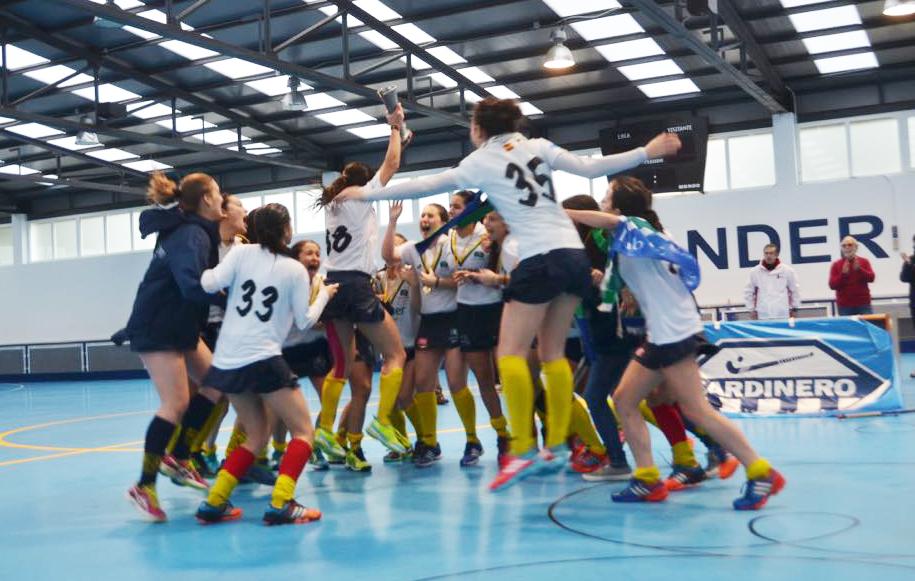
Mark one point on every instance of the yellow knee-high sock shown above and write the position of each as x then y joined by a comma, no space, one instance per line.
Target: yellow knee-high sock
428,412
216,414
415,419
759,469
684,455
222,488
559,387
355,440
389,387
518,389
650,475
500,425
647,413
467,410
237,438
399,421
283,491
581,425
330,399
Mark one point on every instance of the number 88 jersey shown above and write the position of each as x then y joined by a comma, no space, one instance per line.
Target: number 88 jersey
516,175
351,234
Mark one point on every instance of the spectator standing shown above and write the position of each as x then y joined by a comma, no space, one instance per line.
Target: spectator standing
908,275
849,277
772,292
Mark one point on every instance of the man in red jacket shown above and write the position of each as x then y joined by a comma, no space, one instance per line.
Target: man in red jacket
849,277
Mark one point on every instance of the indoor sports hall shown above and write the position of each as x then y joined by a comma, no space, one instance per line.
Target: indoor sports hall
202,285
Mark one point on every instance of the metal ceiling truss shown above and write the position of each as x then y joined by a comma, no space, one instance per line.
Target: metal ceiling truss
58,151
75,183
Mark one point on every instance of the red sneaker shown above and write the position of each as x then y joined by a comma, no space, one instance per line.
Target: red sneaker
515,469
588,462
182,473
147,502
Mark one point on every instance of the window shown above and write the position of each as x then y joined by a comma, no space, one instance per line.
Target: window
41,241
875,147
286,199
599,188
140,243
92,236
751,161
309,219
65,239
6,245
824,153
406,217
912,142
716,166
117,233
251,202
566,185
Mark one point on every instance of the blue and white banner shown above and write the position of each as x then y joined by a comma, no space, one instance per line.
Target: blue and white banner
813,366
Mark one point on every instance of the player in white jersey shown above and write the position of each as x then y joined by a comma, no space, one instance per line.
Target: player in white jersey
352,254
553,275
478,316
437,338
269,291
674,329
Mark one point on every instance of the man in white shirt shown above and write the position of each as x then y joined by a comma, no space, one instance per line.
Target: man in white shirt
772,292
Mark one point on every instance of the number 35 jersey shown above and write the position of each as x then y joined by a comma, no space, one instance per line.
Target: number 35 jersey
267,294
352,234
516,175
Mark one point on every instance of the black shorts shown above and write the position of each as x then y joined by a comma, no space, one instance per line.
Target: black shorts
478,326
355,300
210,334
309,359
541,278
438,331
411,353
660,356
265,376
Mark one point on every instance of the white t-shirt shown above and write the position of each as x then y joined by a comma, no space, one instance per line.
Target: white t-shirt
352,234
509,257
267,293
468,254
437,260
311,334
217,313
668,306
397,295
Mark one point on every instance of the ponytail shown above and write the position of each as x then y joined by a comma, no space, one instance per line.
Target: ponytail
189,192
354,174
161,190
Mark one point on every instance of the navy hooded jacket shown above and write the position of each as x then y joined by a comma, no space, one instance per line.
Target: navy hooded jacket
171,307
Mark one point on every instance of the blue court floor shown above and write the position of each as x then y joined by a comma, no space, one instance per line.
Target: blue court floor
69,451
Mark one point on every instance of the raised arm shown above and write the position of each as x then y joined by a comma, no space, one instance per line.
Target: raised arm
409,190
663,145
389,252
594,219
391,162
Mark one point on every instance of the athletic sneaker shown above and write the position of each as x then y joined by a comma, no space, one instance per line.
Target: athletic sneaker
182,473
206,464
683,477
756,493
207,513
318,462
404,441
387,435
326,441
516,469
259,473
436,452
147,502
587,462
638,491
424,455
440,398
292,513
553,460
355,461
608,472
721,464
472,453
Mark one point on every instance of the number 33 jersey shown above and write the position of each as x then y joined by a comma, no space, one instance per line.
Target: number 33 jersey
351,235
267,294
516,175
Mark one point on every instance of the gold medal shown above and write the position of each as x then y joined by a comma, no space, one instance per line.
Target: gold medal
431,270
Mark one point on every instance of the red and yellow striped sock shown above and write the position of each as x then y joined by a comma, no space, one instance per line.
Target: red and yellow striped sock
297,454
235,467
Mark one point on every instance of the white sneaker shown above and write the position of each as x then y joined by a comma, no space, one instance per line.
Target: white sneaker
608,472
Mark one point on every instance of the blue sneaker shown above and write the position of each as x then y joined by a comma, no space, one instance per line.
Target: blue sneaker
638,491
757,492
553,460
684,477
472,453
292,513
208,514
515,469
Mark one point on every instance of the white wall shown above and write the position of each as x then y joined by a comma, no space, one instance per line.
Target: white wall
889,200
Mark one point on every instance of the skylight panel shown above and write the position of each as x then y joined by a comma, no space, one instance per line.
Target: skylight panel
444,80
112,154
260,149
476,74
378,39
372,131
347,117
668,88
835,42
607,27
54,73
17,170
378,10
34,130
574,7
322,101
446,55
413,33
219,137
630,49
6,120
18,58
236,68
529,109
502,92
188,51
796,3
146,165
650,70
70,143
122,4
823,19
158,110
852,62
107,93
275,86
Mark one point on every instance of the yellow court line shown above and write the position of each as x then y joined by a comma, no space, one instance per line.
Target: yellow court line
111,448
4,443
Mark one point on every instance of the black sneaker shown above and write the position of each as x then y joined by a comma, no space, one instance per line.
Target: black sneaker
292,513
472,453
424,456
437,452
207,513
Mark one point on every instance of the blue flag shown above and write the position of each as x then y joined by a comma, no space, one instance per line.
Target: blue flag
473,212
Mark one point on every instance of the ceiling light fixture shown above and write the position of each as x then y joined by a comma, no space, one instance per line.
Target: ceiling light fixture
559,56
84,136
898,7
294,100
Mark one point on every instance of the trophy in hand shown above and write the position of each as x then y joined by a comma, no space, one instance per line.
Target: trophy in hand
388,96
